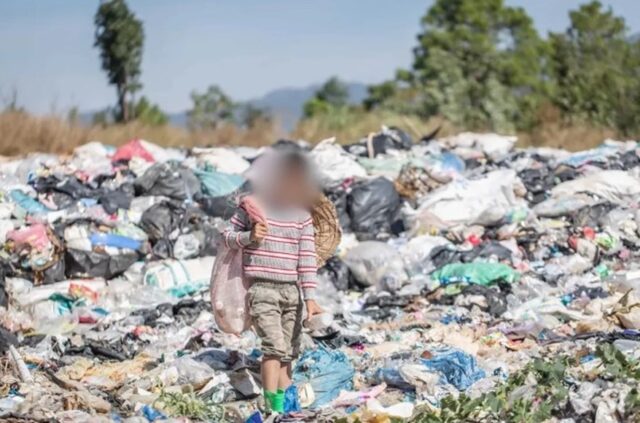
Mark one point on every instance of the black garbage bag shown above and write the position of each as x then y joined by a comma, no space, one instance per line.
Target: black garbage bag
357,149
4,270
337,272
159,220
55,272
93,264
117,199
208,246
401,139
538,182
170,179
338,196
70,186
6,339
630,160
445,254
372,206
61,200
223,206
592,215
486,250
495,298
391,139
442,255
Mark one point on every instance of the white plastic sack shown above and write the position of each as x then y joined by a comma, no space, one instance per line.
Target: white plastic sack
93,158
562,206
333,163
493,145
93,149
180,277
24,293
35,300
229,292
416,252
374,263
482,201
222,159
612,185
6,225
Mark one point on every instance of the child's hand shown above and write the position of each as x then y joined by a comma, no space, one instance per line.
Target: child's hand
258,232
313,308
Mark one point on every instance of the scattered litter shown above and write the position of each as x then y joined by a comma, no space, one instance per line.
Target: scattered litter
462,278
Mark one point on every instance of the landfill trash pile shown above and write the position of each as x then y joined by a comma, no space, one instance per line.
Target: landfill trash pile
474,281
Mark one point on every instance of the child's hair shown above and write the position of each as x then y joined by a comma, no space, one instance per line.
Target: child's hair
275,164
294,159
298,160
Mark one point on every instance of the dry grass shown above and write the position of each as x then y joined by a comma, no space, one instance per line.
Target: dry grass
553,132
557,132
21,133
353,126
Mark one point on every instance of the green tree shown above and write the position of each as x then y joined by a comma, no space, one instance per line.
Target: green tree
250,115
479,63
597,68
120,37
149,114
334,92
380,94
400,95
332,95
210,109
315,107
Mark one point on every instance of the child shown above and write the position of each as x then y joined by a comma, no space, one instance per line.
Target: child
279,259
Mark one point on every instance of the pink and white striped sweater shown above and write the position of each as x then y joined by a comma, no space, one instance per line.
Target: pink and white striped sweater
286,254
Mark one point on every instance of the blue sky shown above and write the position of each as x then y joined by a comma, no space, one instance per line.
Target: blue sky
248,47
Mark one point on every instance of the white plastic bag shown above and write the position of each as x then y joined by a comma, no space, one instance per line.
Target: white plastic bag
375,263
483,201
335,164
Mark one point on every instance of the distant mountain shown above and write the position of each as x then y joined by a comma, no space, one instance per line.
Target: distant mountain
284,104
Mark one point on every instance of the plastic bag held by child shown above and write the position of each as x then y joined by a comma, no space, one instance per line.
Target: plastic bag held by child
228,285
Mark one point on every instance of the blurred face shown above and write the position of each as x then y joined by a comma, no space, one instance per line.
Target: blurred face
294,188
284,182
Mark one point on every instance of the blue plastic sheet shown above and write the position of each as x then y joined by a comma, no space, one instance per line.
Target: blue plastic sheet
455,367
451,163
393,378
291,401
597,155
328,372
152,414
27,203
117,241
216,183
254,418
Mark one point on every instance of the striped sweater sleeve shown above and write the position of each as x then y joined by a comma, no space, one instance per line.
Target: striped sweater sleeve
307,261
238,235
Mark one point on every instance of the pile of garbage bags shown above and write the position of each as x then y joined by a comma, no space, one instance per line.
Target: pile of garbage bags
475,281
